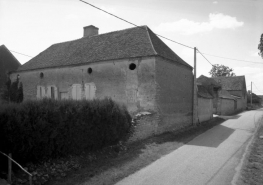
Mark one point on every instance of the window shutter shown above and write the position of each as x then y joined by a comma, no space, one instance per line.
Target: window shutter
87,91
38,92
74,92
48,94
43,92
56,92
92,91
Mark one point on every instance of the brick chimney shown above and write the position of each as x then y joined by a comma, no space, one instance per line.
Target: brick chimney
90,31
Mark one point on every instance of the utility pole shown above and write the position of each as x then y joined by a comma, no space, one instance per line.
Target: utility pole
194,91
251,96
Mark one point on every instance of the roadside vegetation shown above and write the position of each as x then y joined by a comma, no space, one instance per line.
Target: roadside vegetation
44,136
252,170
51,141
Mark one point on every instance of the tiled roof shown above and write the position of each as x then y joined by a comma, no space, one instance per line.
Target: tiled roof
225,94
128,43
202,92
207,81
234,83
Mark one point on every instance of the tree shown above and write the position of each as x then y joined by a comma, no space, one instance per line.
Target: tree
221,70
260,46
13,91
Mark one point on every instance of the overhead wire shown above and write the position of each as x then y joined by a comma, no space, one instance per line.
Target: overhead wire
20,53
168,38
257,87
134,24
231,58
205,58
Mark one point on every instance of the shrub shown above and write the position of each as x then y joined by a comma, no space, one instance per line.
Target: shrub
36,130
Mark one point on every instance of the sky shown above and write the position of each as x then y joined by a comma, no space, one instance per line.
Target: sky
225,28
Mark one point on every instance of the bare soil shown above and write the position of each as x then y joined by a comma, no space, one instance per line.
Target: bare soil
252,170
114,164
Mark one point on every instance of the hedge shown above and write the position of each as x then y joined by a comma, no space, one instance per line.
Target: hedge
37,130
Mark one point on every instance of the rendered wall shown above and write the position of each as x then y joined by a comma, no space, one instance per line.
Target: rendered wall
227,106
134,88
205,109
243,95
173,95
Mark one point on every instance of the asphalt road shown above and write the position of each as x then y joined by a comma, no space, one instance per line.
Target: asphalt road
213,157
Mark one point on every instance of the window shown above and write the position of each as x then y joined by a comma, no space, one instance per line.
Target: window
41,92
89,70
90,90
76,92
132,66
47,92
52,93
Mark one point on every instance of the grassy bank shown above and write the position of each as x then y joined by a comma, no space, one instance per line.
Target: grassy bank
252,170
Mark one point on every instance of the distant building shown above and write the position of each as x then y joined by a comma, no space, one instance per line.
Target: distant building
212,87
229,93
7,63
132,66
236,86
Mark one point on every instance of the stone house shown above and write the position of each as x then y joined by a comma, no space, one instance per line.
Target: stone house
132,66
7,63
227,103
236,86
212,87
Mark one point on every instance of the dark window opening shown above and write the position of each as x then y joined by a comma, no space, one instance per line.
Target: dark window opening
89,70
132,66
41,75
52,92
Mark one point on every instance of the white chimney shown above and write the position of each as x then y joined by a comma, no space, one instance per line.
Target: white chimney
90,31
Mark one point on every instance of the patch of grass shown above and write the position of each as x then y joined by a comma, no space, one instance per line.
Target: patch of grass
252,170
114,163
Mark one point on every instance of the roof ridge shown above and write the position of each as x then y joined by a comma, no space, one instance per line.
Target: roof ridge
151,40
99,35
228,76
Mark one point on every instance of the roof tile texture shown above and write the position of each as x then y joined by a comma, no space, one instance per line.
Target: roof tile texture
128,43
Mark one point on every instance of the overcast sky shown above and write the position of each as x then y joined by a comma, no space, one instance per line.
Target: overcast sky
227,28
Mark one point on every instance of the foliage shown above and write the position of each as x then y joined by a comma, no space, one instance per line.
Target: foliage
13,92
255,99
36,130
221,70
260,46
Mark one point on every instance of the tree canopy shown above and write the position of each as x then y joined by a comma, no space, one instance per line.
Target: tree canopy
260,46
221,70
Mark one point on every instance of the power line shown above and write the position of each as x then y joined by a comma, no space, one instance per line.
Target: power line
257,87
134,24
20,53
232,59
205,58
170,39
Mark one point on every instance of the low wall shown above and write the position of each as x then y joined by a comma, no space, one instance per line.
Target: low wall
205,109
227,106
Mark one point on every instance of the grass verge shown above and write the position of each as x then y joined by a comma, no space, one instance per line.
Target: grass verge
252,170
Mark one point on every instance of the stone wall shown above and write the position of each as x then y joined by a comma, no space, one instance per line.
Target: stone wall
151,84
174,84
227,106
205,109
133,87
